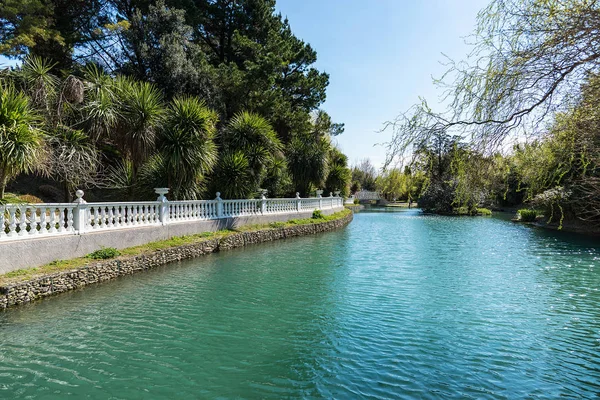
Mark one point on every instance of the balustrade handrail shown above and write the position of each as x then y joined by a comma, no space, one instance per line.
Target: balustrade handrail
117,203
20,221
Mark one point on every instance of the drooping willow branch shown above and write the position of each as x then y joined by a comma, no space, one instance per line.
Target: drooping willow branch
527,62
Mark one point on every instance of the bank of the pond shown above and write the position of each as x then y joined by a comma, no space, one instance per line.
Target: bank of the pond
24,286
578,227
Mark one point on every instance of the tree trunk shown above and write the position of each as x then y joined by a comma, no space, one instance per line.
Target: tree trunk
3,183
67,192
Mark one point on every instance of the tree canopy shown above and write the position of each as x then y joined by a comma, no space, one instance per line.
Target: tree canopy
138,60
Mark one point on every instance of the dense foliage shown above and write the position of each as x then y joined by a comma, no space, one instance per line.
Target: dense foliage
531,77
196,96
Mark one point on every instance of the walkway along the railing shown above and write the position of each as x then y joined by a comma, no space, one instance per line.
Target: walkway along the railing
22,221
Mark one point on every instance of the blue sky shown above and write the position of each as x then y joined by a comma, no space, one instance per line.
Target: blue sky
381,56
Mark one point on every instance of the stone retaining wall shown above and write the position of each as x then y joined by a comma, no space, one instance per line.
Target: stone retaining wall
95,272
33,252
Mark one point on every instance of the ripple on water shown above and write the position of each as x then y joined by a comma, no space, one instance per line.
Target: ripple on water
397,305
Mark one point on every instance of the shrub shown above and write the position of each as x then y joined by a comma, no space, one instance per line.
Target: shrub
318,214
527,215
484,211
104,253
30,199
356,201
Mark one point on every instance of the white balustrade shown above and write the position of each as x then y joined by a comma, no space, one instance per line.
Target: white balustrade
240,208
278,206
119,215
309,204
21,221
192,210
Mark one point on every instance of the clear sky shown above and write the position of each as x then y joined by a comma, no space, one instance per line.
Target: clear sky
381,56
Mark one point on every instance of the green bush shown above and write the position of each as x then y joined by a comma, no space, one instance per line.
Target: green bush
356,201
318,214
484,211
104,253
528,215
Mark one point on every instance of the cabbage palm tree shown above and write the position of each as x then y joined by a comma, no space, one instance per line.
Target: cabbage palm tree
339,175
41,85
307,156
141,110
185,146
232,176
20,138
253,136
74,159
101,111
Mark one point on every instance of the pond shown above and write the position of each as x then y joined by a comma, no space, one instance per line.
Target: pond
396,305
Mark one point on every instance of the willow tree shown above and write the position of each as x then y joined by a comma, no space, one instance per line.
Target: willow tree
528,57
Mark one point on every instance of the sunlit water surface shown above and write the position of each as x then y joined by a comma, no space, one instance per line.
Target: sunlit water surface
396,305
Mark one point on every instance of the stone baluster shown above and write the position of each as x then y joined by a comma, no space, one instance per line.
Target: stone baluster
43,223
103,217
61,219
33,221
12,221
52,222
22,223
70,218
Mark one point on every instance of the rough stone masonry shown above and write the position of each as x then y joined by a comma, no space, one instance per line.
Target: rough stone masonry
96,272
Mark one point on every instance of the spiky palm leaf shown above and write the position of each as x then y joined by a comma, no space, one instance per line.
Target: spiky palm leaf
141,111
42,85
20,139
247,130
190,114
252,135
186,147
232,176
75,159
307,156
101,111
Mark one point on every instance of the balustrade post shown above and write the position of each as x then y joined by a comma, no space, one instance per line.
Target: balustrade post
320,197
219,205
339,201
263,202
79,214
298,202
163,205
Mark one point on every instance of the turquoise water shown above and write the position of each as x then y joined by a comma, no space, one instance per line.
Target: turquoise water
397,305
